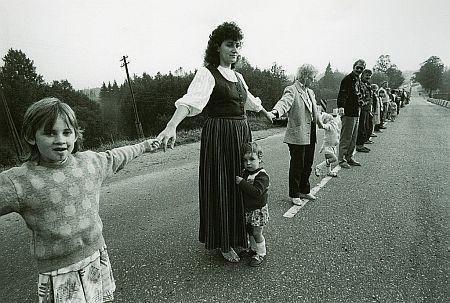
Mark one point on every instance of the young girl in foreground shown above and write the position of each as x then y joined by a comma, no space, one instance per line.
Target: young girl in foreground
332,127
254,184
56,191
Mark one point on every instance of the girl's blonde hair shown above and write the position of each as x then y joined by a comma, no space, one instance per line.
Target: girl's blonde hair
44,113
253,148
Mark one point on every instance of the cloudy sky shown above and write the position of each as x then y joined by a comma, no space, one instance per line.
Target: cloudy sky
83,40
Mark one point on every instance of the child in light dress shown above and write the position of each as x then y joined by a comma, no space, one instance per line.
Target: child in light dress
56,191
254,185
332,127
392,112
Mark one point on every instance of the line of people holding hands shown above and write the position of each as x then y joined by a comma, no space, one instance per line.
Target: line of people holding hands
57,189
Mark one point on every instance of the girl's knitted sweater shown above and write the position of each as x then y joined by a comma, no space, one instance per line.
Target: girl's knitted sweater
60,204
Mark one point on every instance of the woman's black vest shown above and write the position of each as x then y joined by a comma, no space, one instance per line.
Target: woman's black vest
227,98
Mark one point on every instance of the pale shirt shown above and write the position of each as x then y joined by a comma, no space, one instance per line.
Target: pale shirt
386,98
332,133
202,85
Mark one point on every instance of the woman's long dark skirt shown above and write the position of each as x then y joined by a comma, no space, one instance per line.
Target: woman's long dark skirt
222,220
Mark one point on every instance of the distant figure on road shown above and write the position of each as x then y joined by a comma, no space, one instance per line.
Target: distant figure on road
349,101
392,110
384,95
56,191
376,108
299,102
254,184
332,126
223,94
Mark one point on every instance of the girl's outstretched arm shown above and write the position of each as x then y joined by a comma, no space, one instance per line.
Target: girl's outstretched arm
109,162
8,196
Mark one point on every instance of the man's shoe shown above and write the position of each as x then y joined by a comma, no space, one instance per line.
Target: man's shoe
378,131
353,163
383,127
369,142
344,164
308,196
373,135
361,150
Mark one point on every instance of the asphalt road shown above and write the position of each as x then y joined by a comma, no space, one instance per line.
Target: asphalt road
377,233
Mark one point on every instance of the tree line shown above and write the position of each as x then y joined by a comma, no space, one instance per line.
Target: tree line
434,77
111,118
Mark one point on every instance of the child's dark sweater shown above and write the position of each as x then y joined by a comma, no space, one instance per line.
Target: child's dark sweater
254,189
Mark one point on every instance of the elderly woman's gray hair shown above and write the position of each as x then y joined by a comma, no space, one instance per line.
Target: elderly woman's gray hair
305,71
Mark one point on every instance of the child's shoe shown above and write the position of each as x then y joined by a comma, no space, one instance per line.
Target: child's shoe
331,173
256,261
245,253
319,169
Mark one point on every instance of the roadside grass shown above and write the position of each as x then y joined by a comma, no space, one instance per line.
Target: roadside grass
256,123
190,136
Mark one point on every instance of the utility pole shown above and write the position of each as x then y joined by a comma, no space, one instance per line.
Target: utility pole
12,127
136,116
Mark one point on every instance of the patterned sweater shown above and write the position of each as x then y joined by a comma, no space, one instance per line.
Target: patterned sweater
60,204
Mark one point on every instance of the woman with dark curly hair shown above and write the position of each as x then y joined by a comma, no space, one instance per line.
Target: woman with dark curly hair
223,95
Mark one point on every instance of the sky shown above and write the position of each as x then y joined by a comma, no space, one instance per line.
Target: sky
83,40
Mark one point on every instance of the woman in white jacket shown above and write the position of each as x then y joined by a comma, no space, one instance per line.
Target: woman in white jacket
299,102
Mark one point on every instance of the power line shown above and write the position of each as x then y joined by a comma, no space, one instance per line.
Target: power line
12,127
139,130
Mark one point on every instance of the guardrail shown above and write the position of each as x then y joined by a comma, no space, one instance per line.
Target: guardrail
440,102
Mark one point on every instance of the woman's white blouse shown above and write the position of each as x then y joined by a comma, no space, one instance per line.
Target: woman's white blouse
202,85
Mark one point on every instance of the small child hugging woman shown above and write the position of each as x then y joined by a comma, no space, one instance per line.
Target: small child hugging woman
56,191
254,184
332,127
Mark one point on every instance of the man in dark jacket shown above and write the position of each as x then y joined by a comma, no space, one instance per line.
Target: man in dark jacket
349,101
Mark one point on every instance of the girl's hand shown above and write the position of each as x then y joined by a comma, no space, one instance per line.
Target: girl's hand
152,144
238,179
167,136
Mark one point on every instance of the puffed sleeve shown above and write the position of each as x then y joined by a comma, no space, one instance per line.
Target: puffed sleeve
8,196
198,93
252,103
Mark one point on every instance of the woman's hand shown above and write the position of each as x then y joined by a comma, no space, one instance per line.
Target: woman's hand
268,115
238,179
167,137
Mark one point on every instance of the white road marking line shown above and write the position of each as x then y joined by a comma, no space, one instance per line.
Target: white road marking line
294,209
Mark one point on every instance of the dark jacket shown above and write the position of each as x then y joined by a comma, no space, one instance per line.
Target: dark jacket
350,97
254,189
